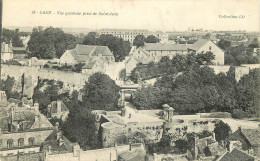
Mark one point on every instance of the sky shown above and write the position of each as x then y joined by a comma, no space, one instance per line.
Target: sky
165,15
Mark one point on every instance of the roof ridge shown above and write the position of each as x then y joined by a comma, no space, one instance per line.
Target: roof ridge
90,54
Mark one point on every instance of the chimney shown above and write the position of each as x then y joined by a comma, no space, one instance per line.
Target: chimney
123,112
36,107
37,120
59,108
230,146
214,136
6,48
11,44
61,141
59,135
57,124
76,150
239,128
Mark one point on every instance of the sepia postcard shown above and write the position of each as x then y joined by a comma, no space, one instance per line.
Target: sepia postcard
129,80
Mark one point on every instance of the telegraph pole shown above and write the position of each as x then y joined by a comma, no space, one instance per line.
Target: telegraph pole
1,13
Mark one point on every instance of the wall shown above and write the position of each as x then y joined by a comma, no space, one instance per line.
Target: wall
240,72
220,68
7,56
71,80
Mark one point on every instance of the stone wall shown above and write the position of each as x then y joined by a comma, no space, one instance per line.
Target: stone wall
72,81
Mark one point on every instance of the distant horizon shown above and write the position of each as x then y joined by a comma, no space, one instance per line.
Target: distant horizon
97,29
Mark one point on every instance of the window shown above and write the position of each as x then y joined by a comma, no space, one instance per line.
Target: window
209,47
31,141
21,142
9,143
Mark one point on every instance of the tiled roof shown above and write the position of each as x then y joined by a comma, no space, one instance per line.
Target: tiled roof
198,44
74,53
89,65
132,155
236,155
66,147
216,149
252,135
12,100
84,52
24,157
88,50
165,47
19,48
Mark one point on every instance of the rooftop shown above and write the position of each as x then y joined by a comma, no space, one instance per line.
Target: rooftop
236,155
198,44
165,47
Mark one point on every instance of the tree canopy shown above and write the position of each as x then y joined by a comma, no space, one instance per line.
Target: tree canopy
50,43
139,41
100,93
117,46
190,88
151,39
14,36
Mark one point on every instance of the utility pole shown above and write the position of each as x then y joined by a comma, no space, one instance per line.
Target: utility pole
1,13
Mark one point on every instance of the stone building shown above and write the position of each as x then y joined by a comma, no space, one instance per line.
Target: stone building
158,50
249,138
6,52
203,45
94,66
86,53
125,34
121,126
23,128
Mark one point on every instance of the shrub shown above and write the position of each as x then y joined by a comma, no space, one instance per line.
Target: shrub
238,114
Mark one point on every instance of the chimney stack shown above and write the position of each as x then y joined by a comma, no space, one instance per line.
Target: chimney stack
123,112
37,120
130,146
76,150
36,107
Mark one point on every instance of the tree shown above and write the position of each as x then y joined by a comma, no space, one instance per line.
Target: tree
80,127
13,36
47,91
90,39
117,46
224,44
222,131
182,145
7,86
147,98
151,39
205,58
50,43
139,41
248,93
100,93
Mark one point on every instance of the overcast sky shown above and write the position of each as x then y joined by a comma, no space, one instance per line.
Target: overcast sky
135,14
